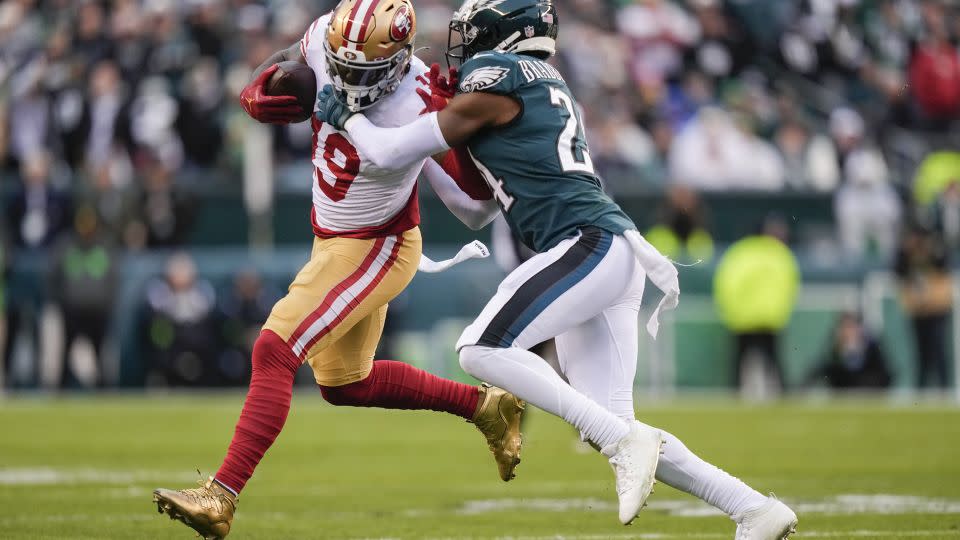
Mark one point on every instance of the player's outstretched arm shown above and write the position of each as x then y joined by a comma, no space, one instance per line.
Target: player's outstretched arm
474,213
431,134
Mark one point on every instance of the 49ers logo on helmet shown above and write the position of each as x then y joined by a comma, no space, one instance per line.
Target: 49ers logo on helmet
402,24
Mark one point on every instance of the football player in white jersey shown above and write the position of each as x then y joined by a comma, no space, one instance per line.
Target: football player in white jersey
366,249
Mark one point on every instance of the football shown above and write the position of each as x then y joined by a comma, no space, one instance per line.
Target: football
294,79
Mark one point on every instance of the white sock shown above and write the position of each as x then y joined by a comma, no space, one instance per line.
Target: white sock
226,487
530,378
682,469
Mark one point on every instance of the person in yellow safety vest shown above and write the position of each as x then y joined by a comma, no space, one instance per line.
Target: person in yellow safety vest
680,233
936,172
755,290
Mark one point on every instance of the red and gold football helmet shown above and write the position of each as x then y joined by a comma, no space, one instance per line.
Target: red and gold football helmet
368,48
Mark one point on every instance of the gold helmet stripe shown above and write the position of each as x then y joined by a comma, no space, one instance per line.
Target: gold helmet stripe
355,33
348,27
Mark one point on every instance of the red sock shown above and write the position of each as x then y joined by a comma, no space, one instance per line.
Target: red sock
264,411
395,385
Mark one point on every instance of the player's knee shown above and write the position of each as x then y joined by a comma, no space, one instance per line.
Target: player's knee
353,394
270,351
336,395
473,358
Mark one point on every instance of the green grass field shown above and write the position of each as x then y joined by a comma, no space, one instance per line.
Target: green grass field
85,467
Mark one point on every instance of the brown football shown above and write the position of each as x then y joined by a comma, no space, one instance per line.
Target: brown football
294,79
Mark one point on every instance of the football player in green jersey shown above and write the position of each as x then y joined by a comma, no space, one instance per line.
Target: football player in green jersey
516,120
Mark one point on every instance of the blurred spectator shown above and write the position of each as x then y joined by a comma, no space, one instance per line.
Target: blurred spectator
103,125
926,292
198,113
29,113
164,212
810,160
180,327
621,150
91,42
755,290
680,232
854,359
708,154
38,212
866,206
858,158
242,312
825,41
656,172
83,284
722,50
935,68
658,31
153,115
889,30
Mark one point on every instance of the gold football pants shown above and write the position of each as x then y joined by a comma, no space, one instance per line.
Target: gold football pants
333,314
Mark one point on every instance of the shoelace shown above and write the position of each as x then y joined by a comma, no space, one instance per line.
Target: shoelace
203,497
622,464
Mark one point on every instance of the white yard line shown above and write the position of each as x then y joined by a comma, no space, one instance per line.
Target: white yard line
835,505
859,533
50,476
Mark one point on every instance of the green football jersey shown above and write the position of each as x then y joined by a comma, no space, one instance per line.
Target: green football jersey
538,166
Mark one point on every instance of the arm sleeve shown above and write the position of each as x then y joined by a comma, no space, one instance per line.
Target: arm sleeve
459,165
474,213
400,147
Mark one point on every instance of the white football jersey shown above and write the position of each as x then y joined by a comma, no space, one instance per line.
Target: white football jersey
352,196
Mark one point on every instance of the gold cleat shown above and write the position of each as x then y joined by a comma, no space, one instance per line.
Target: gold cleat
207,509
498,418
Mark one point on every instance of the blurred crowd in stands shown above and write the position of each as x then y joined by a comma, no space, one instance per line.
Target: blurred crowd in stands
113,114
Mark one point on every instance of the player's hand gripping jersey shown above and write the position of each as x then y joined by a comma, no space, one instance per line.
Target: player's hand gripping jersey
352,197
538,166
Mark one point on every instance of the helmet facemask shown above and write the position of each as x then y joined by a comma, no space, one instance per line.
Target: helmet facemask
460,37
360,83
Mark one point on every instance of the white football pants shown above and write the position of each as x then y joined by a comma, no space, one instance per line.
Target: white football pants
585,292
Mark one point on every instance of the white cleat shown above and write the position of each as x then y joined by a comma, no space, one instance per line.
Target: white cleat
634,460
772,521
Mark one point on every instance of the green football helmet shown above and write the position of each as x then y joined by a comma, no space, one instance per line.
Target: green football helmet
516,26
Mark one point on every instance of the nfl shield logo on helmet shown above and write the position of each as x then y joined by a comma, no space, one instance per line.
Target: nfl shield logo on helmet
529,31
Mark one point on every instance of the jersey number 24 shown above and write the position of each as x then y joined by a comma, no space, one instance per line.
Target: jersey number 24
571,150
572,144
